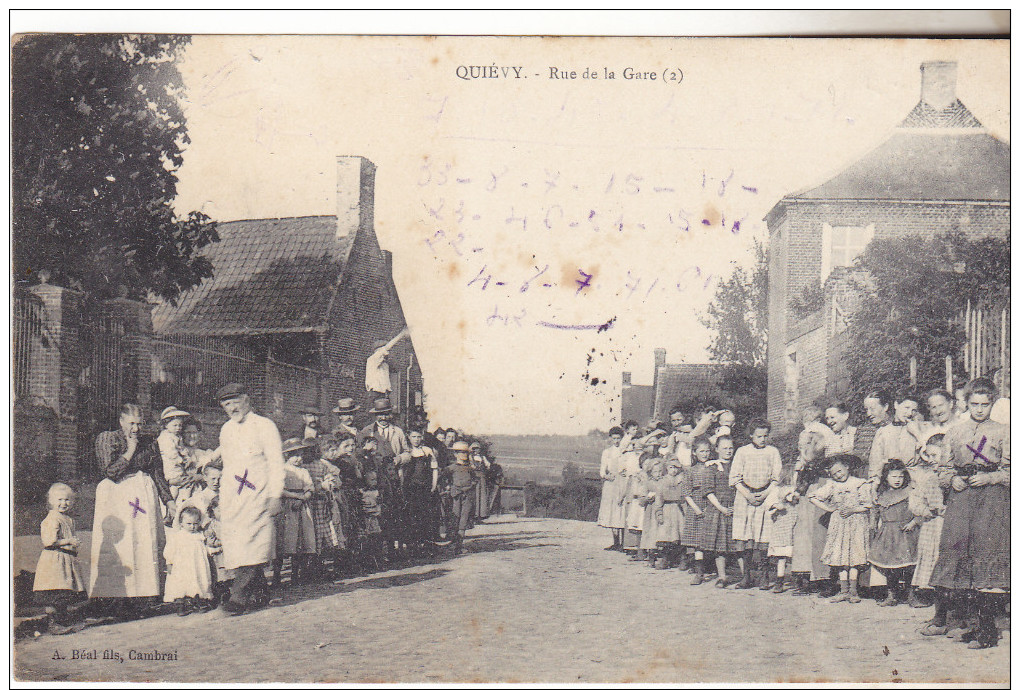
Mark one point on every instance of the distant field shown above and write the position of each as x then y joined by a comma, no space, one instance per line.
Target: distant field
541,458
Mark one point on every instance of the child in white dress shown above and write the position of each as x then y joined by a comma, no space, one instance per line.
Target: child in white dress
848,499
58,580
189,577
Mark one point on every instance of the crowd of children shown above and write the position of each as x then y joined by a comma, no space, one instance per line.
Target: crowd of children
347,508
845,513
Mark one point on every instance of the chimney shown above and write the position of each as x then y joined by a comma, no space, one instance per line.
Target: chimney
355,194
938,84
660,357
626,378
660,361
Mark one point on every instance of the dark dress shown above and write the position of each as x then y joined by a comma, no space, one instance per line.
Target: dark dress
691,520
717,533
891,547
418,497
974,548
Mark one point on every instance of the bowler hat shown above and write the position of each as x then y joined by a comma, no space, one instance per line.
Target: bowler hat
171,412
292,444
381,406
231,390
346,406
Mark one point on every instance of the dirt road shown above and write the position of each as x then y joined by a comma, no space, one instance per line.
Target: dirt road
534,600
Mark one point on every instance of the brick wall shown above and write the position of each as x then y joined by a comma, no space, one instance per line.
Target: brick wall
366,309
795,247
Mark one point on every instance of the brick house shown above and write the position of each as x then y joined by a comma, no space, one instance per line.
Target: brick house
672,384
939,171
292,311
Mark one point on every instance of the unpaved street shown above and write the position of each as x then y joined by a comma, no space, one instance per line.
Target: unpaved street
534,600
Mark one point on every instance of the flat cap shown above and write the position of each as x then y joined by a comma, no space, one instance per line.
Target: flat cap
231,390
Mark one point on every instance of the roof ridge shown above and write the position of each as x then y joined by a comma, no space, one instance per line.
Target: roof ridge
255,220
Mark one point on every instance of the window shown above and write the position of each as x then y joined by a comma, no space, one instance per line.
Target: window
842,244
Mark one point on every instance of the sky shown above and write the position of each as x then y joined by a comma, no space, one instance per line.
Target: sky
548,231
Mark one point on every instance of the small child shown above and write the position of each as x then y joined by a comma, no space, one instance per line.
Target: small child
753,473
782,510
668,516
58,581
295,526
189,578
222,576
372,508
893,548
649,524
717,536
926,502
461,481
696,503
848,499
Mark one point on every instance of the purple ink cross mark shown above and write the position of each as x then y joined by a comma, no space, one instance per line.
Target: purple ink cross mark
243,482
136,507
977,451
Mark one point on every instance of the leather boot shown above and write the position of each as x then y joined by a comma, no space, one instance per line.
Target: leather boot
699,572
844,593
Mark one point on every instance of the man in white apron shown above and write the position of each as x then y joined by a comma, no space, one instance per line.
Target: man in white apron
250,493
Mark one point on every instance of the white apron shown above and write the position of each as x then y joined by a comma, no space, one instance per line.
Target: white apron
126,543
252,475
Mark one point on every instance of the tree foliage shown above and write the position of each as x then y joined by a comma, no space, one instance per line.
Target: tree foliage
738,315
97,140
911,292
738,319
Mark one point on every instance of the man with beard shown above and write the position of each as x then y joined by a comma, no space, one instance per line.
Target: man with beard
311,427
253,468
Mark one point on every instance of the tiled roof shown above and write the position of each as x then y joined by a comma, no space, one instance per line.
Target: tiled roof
910,166
685,383
934,155
269,275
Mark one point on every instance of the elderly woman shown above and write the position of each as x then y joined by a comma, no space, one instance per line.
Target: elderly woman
127,531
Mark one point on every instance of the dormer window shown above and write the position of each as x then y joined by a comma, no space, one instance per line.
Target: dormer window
842,244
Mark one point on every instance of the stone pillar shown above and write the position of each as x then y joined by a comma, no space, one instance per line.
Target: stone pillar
59,366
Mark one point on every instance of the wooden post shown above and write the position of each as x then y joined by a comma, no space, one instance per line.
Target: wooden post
979,353
966,347
949,375
913,372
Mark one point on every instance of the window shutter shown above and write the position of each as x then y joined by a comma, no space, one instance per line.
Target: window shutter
826,251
